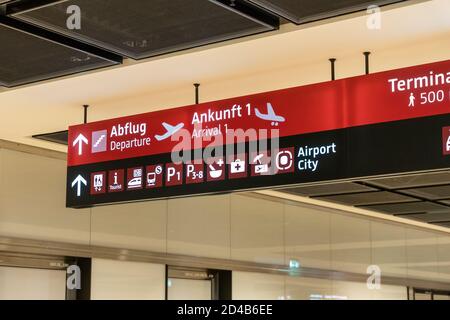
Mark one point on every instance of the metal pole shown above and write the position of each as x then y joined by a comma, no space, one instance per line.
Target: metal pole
197,95
333,69
366,55
86,106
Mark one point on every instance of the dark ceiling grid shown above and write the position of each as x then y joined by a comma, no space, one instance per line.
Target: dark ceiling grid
60,137
18,6
141,29
430,217
123,29
422,197
329,189
367,198
441,192
445,224
305,11
411,181
58,39
407,208
423,210
64,53
53,55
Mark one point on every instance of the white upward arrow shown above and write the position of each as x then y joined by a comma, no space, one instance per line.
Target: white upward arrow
78,181
80,140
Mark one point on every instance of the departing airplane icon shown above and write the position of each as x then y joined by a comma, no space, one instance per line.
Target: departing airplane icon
171,130
270,116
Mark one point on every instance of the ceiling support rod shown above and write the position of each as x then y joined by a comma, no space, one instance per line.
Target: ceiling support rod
197,93
85,106
367,62
333,68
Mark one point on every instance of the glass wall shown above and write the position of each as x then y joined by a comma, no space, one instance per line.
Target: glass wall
124,280
255,286
32,284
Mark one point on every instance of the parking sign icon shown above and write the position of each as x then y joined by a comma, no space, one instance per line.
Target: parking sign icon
99,140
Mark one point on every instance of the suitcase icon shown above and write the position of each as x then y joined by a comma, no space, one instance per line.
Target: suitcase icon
237,166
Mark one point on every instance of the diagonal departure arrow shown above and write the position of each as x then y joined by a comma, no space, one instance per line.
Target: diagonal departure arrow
80,140
78,181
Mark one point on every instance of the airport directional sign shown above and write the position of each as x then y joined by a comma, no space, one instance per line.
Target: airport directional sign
384,123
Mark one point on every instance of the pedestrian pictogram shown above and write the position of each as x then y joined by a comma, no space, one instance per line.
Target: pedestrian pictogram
412,100
98,183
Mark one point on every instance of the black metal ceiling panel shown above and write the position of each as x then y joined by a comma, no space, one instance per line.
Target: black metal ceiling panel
443,224
410,207
303,11
430,193
328,189
423,197
60,137
368,198
413,180
141,29
429,217
27,58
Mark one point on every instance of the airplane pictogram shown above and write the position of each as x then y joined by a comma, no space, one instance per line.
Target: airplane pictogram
270,116
171,130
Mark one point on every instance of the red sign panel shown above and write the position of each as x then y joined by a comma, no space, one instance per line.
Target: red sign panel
382,97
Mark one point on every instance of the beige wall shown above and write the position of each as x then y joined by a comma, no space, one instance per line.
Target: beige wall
32,200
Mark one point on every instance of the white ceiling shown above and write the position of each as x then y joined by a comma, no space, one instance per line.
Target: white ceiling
53,105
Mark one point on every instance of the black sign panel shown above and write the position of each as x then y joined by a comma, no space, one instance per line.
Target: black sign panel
386,148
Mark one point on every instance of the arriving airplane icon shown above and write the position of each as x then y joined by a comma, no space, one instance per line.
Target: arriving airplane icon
171,130
270,116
